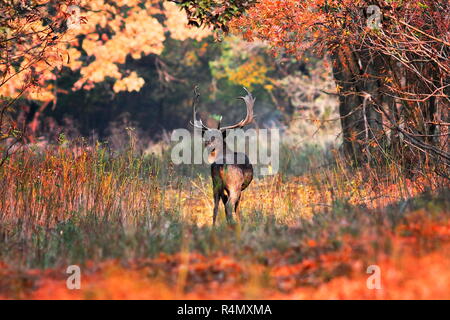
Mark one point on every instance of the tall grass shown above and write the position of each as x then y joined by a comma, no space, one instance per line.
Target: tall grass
78,205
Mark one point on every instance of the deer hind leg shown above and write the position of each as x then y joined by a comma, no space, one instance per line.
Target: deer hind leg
224,198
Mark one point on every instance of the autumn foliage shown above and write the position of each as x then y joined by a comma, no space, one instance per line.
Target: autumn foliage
140,227
390,63
92,43
40,40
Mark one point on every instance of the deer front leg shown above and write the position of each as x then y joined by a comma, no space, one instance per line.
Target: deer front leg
237,208
216,192
233,199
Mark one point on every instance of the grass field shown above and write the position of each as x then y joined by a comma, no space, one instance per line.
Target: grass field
141,228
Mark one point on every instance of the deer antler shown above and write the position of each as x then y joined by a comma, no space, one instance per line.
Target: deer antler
197,123
249,102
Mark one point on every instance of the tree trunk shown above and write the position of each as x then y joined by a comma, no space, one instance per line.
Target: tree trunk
359,120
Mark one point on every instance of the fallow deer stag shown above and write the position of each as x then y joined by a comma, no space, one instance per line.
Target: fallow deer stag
231,172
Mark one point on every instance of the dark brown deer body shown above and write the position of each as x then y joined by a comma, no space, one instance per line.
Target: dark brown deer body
231,172
229,180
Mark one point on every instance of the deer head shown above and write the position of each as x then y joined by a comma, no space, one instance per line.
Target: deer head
214,138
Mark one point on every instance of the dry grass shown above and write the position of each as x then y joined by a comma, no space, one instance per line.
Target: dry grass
142,229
